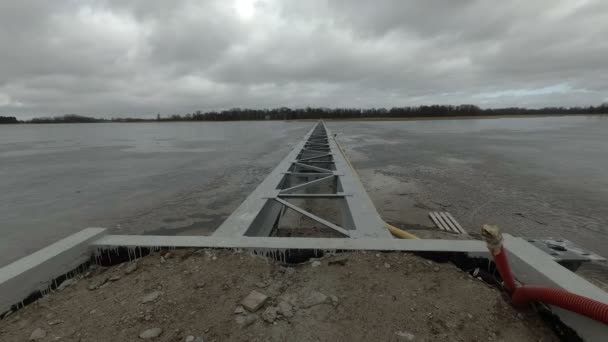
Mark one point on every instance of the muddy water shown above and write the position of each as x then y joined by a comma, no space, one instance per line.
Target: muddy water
531,176
169,178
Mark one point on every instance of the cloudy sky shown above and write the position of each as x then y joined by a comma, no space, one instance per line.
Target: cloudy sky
139,58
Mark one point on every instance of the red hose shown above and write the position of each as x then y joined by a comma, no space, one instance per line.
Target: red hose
566,300
502,264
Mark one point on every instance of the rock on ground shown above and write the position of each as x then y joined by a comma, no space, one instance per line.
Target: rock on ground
285,309
254,300
270,314
132,267
37,334
246,320
150,333
152,296
314,298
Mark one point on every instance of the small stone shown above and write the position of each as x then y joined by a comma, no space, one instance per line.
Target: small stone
115,277
270,314
147,317
377,255
408,336
214,258
200,285
315,298
55,322
334,300
436,268
261,284
92,312
520,316
285,309
37,334
338,261
470,316
194,339
97,284
150,333
131,267
152,296
162,260
66,283
254,300
315,263
246,320
239,310
387,265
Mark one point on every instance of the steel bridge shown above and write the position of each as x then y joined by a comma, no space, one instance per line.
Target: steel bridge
315,181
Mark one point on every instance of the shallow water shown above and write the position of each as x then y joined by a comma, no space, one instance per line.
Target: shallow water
167,178
542,176
533,176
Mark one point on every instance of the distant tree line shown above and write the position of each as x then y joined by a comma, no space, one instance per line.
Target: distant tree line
68,118
285,113
8,120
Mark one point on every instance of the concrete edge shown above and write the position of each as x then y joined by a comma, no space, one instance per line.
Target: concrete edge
36,271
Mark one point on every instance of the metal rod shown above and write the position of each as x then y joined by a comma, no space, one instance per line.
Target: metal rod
339,195
314,217
315,157
310,167
303,185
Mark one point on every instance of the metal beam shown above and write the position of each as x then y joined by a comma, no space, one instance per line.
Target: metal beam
282,243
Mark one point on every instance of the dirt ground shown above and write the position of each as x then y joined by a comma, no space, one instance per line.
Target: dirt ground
189,294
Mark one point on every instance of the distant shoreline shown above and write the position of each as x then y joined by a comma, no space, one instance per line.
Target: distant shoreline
379,118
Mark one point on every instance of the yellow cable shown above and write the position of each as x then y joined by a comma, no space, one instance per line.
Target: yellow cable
402,234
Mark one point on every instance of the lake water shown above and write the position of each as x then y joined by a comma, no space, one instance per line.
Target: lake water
533,176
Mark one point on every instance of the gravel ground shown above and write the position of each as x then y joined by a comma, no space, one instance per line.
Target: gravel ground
189,294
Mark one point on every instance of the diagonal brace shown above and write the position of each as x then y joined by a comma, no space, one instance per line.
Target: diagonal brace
315,168
303,185
314,217
315,157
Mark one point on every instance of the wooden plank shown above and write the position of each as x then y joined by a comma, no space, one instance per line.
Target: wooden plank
449,222
447,227
457,224
436,221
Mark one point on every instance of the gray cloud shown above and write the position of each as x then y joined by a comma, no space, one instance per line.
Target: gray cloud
138,58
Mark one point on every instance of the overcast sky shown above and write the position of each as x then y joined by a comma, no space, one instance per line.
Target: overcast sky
139,58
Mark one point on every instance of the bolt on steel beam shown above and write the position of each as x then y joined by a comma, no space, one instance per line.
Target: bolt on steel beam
330,187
